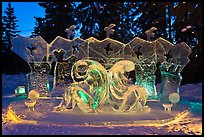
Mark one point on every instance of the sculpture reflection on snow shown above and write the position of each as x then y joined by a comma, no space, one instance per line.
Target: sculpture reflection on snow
99,69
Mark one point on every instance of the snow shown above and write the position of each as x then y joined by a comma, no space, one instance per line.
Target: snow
188,124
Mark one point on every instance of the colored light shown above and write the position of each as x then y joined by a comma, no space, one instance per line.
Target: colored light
83,96
20,90
95,105
48,85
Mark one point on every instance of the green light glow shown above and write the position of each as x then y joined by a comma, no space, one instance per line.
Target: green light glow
95,71
48,85
99,89
96,101
148,82
95,105
21,90
83,96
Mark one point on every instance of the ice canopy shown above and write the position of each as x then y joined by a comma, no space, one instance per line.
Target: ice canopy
102,67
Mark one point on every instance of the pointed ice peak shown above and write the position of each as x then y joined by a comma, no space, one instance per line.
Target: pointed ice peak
70,31
109,30
150,33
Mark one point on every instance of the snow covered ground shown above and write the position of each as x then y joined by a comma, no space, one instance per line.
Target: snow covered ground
189,124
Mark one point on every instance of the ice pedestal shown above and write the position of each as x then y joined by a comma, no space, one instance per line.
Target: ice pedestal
170,80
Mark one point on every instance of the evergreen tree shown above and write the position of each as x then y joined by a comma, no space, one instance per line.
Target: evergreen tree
58,16
9,27
119,14
95,16
39,28
188,28
88,18
150,14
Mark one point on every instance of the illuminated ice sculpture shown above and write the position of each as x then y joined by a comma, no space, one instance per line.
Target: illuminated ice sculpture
93,85
105,56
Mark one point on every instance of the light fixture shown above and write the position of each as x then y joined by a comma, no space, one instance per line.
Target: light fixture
20,91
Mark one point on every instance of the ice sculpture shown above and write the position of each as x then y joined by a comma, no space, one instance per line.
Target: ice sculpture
109,30
39,78
91,71
62,70
123,96
93,85
150,33
170,70
63,51
37,46
145,59
89,88
70,31
33,95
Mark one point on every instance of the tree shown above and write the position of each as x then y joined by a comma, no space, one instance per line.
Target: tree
188,28
87,14
119,13
58,16
150,14
95,16
9,27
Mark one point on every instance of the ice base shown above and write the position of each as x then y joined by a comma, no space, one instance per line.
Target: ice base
43,114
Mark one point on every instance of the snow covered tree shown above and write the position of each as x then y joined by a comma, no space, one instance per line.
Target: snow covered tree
9,27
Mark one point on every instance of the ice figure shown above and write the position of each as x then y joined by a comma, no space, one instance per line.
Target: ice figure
171,68
39,78
62,70
109,30
92,85
33,95
89,87
34,50
145,58
125,97
150,33
63,52
70,31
